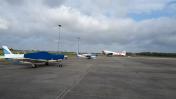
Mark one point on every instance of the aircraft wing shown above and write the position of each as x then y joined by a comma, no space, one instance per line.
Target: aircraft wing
37,60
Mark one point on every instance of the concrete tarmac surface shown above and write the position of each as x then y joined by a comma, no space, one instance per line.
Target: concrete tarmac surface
103,78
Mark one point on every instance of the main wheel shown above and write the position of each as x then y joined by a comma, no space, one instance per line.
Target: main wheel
34,65
47,63
60,65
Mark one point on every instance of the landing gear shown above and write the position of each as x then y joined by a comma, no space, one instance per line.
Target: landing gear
47,63
34,65
59,65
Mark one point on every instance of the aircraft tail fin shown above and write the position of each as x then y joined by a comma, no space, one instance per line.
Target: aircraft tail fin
124,53
6,50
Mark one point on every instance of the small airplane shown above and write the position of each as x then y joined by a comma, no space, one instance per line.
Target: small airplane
111,53
87,56
35,58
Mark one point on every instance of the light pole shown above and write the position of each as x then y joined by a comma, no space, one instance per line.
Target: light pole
59,45
78,43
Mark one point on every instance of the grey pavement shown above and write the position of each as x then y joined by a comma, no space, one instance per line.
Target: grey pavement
103,78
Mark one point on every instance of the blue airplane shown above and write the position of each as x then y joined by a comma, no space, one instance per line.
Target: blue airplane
35,58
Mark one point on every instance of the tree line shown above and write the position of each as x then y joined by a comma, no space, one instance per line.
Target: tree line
157,54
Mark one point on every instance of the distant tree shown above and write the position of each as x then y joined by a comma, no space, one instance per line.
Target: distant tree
1,52
157,54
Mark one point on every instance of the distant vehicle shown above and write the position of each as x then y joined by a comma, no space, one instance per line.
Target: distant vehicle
87,56
33,58
111,53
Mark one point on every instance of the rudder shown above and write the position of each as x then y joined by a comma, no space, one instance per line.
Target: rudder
6,50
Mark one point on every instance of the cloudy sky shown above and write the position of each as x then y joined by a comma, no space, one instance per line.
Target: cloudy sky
131,25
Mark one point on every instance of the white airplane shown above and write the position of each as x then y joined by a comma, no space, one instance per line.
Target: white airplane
33,58
111,53
87,56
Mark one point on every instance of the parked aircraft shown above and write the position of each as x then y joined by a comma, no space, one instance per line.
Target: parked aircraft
33,58
111,53
87,56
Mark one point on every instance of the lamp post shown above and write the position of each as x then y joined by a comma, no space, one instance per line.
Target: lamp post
59,45
78,43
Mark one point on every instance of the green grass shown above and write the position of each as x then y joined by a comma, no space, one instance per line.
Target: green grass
1,58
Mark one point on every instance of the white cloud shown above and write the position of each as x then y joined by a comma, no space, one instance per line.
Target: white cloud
4,24
34,25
